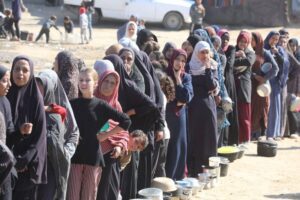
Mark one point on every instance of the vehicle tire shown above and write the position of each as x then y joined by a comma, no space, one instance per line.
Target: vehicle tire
173,21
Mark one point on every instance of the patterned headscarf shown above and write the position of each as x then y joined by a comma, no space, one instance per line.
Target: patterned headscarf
68,73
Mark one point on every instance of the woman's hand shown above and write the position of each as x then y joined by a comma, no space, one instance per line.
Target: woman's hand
130,112
26,128
177,74
116,152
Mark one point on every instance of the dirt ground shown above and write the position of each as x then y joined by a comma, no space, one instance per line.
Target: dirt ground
251,177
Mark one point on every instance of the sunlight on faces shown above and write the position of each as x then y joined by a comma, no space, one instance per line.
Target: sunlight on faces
87,84
204,55
243,44
131,30
128,60
5,84
225,39
187,46
179,63
108,85
283,42
273,41
135,144
21,72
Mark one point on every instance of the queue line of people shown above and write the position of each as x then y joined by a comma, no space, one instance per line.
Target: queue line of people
102,133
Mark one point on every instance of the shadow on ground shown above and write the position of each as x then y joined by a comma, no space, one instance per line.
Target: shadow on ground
290,196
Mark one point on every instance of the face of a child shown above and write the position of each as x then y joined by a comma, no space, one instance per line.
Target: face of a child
86,84
4,84
179,63
186,45
169,53
135,144
21,73
108,85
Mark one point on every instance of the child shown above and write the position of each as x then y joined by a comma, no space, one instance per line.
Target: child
138,141
91,114
46,28
69,26
83,22
197,13
141,25
8,24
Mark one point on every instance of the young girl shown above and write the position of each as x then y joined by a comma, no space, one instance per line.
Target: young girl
91,114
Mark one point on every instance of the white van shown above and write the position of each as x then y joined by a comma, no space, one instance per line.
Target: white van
172,13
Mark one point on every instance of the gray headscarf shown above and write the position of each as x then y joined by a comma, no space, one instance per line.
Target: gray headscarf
54,93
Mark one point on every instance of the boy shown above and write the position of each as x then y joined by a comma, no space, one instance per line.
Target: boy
69,26
83,22
138,141
197,13
46,28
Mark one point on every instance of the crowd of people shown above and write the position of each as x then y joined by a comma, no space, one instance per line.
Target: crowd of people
77,132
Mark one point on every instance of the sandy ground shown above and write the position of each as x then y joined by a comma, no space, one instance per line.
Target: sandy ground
251,177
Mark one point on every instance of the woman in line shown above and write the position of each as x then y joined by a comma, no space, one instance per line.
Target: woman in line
91,114
277,83
168,50
143,113
176,115
9,128
202,108
230,135
260,105
66,67
244,59
62,135
112,147
131,32
29,140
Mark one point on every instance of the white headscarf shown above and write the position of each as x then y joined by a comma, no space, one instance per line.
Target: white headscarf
103,65
196,65
133,38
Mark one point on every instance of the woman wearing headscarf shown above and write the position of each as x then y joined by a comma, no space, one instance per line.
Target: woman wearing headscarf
107,90
202,108
143,114
260,105
189,46
103,65
131,31
143,62
244,59
293,87
128,56
29,140
62,136
176,115
168,50
221,95
277,84
66,67
217,42
230,135
8,129
144,36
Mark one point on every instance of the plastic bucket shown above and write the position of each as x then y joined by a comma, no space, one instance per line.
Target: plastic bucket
214,161
224,169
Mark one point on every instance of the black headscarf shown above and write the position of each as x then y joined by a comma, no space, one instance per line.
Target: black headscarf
149,83
143,37
68,73
3,71
130,97
28,106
